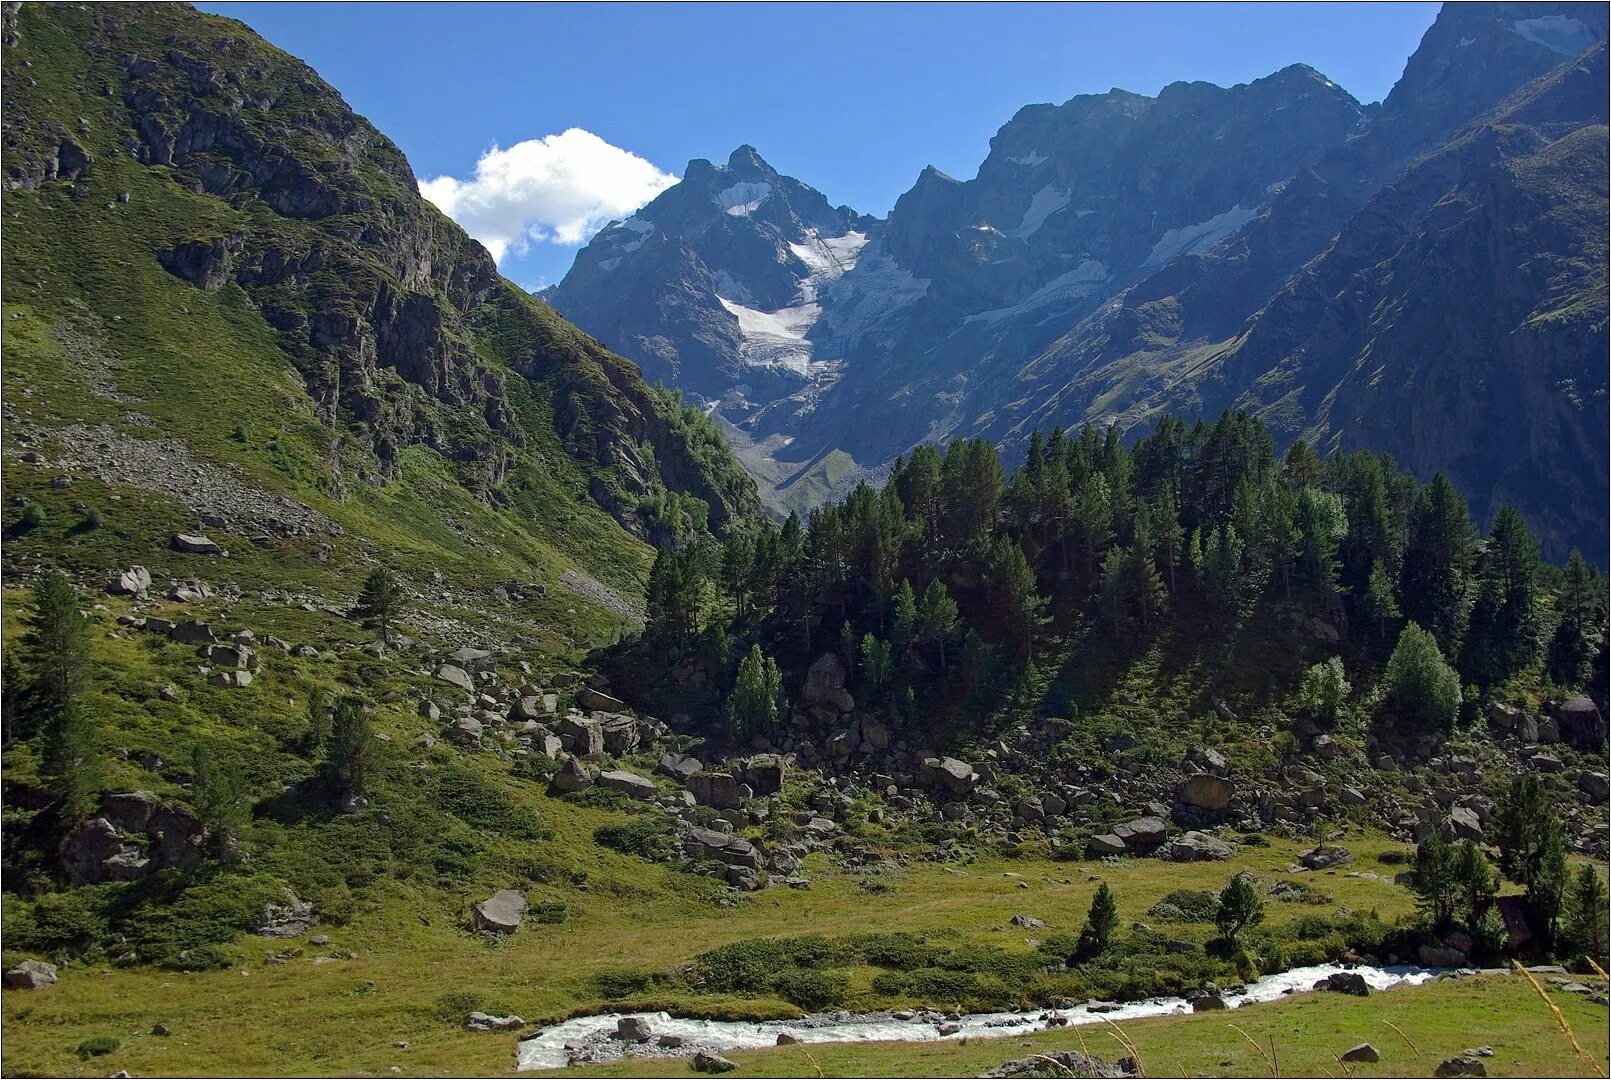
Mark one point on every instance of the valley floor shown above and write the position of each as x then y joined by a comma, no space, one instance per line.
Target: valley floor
285,1008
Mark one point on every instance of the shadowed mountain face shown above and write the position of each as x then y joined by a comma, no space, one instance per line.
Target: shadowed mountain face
1274,246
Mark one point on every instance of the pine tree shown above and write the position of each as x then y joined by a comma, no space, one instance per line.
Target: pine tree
1240,907
1474,880
756,704
72,760
876,663
905,625
55,642
218,792
349,753
378,602
1437,562
1586,926
937,617
1506,628
1578,633
1100,922
1433,880
1380,602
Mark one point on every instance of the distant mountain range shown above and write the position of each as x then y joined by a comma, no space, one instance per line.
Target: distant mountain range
1425,277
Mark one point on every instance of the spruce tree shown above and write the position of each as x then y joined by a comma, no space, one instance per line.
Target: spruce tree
937,617
379,601
350,752
55,642
1100,922
1240,907
1578,634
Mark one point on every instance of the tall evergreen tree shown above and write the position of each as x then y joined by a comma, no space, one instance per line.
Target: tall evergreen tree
378,602
1437,562
1578,633
756,704
1506,628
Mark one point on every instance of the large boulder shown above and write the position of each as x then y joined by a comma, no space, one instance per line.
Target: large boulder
500,913
589,698
472,659
1103,844
454,675
534,707
1580,723
30,975
288,917
192,544
1440,956
1464,824
1344,982
1206,792
1197,847
632,784
1363,1052
619,731
573,775
707,1062
1326,858
131,582
633,1029
957,777
764,774
716,789
1142,833
1464,1065
191,632
825,683
587,736
1067,1063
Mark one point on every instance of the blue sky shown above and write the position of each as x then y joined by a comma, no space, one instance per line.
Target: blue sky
852,99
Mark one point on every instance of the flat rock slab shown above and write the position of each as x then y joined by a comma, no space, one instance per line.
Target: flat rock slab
501,913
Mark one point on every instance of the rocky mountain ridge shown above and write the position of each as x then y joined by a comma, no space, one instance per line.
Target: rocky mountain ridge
1109,250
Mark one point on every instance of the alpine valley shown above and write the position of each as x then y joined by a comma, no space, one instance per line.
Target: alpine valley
1183,587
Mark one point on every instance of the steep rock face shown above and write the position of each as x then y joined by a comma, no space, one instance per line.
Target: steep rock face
1458,321
398,322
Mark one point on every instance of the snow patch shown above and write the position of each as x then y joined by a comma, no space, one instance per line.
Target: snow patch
742,200
1035,158
1046,202
1558,33
774,338
1204,234
730,287
1072,285
828,258
1465,42
876,288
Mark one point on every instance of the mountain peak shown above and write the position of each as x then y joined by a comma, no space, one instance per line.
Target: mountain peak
747,159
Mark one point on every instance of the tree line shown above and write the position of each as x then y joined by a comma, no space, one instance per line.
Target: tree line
956,575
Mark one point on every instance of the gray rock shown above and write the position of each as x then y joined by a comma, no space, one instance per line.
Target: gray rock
1461,1066
1067,1063
1362,1052
30,975
480,1021
573,775
632,784
714,789
707,1062
1205,791
192,544
1326,858
190,632
1463,824
633,1029
1345,982
1101,844
1197,847
954,776
1440,956
1141,833
454,675
500,913
587,736
590,698
1027,922
1208,1003
1595,785
1580,723
290,917
132,582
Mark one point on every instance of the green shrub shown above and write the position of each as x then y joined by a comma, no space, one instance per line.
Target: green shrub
1186,905
97,1046
33,517
811,989
889,983
936,986
648,836
622,984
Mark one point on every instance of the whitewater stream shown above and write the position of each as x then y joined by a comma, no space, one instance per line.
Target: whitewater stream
547,1049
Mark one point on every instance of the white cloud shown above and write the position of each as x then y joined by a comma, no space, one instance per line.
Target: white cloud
560,189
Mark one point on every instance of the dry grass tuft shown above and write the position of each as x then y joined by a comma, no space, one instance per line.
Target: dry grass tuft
1560,1020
